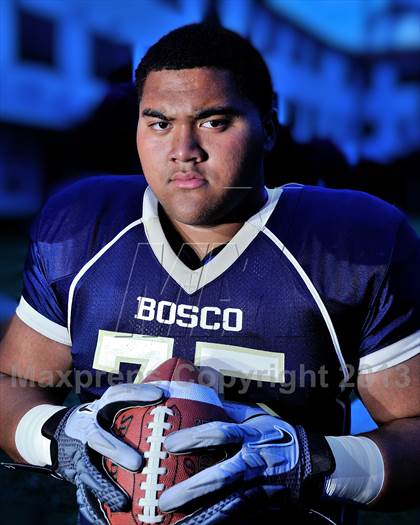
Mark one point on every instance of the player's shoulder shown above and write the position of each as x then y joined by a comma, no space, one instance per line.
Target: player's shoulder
315,222
341,211
110,201
344,204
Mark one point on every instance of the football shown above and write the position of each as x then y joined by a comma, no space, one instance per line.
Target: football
186,403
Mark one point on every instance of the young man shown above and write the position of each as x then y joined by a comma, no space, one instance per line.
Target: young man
296,294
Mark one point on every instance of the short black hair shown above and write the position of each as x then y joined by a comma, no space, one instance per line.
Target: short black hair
209,45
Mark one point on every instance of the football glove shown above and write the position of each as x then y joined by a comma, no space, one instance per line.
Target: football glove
80,436
275,460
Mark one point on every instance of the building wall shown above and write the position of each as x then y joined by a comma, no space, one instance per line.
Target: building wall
365,104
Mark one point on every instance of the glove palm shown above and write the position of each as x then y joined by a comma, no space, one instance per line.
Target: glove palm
273,460
81,436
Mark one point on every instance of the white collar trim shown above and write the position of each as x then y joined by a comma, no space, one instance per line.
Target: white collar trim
193,280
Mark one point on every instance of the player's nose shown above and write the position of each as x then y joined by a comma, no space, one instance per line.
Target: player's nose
186,146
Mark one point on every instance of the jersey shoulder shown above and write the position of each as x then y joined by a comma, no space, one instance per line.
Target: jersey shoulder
340,222
343,204
79,220
362,256
107,201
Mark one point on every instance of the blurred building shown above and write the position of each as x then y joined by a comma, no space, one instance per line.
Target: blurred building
58,59
365,99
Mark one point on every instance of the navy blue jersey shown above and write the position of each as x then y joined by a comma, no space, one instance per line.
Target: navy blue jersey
319,286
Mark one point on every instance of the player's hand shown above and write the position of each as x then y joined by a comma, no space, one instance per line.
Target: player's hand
274,460
83,430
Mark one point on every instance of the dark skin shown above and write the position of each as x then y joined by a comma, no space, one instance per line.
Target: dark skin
194,122
220,156
392,397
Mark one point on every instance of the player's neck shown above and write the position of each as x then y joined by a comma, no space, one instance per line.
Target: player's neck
204,239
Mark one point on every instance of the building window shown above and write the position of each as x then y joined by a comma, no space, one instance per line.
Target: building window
112,61
315,57
353,73
368,129
298,49
175,4
366,77
36,38
410,77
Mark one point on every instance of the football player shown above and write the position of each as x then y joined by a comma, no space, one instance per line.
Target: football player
299,295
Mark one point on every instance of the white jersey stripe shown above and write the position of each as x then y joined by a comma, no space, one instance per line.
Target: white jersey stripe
89,264
317,298
41,324
391,355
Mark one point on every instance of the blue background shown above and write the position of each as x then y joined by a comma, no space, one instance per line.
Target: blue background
347,77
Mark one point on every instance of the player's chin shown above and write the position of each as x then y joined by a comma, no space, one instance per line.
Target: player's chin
194,210
196,217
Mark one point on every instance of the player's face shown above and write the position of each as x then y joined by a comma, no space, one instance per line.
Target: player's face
201,145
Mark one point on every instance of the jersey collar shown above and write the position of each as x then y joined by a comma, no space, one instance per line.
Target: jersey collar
193,280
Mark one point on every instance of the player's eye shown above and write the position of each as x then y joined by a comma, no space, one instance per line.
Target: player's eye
161,125
215,123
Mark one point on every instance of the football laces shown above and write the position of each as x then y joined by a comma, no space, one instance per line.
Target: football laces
154,455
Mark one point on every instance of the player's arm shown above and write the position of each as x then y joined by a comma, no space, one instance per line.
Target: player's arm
388,383
392,397
31,367
36,429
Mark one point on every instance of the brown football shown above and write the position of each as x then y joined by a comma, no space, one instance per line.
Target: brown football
187,404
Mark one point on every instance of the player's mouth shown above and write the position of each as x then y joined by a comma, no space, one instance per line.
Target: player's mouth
189,180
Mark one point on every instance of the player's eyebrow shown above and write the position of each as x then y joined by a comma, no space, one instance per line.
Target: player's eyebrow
149,112
228,111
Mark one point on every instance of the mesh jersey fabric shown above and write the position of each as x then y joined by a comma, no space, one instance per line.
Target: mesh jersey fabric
314,264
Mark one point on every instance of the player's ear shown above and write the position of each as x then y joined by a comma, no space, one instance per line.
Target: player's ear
270,126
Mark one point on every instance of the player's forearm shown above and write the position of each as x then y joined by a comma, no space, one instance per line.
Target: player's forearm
399,443
378,469
18,396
